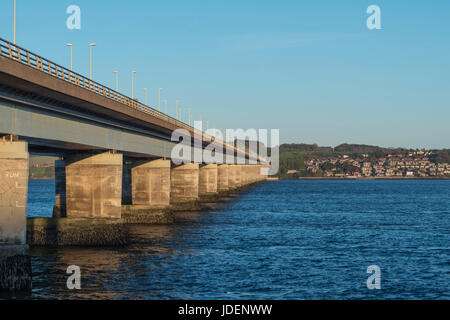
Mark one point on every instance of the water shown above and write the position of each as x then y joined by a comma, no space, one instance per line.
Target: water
280,240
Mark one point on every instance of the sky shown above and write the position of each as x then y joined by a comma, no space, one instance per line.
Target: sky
309,68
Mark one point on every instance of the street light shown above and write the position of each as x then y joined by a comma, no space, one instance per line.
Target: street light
132,84
71,46
14,37
145,89
117,79
189,111
177,102
165,103
159,99
90,46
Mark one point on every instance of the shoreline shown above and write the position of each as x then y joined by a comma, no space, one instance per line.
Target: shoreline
371,178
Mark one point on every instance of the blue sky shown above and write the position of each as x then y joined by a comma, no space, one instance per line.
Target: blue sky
310,68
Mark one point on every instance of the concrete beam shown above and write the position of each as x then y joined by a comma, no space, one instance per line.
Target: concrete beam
222,177
207,179
151,183
94,185
184,182
13,192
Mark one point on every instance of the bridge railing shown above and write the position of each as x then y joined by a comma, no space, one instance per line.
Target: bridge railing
32,60
37,62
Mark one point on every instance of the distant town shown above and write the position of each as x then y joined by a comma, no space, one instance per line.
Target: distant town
360,161
416,164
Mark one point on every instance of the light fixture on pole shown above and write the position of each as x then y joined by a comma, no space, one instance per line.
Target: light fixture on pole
14,36
189,117
117,79
132,84
165,103
146,103
178,109
70,45
159,99
91,45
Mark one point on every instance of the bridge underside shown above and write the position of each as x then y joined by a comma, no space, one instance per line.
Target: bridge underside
49,129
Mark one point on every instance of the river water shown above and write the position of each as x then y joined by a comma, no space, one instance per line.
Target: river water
279,240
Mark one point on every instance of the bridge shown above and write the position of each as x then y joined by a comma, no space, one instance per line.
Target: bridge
113,150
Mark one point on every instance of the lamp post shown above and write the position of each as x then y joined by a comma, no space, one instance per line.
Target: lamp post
91,45
165,103
14,36
145,90
159,99
189,118
70,45
132,84
178,109
117,79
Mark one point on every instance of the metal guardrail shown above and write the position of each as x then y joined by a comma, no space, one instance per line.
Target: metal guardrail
32,60
37,62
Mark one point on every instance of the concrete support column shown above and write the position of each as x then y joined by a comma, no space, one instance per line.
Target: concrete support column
264,171
245,171
207,179
151,183
234,176
252,174
15,265
184,182
94,185
222,177
256,173
13,192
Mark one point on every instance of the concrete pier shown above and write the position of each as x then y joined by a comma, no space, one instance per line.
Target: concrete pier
245,175
15,266
94,185
151,183
234,176
254,174
13,192
184,182
207,179
222,177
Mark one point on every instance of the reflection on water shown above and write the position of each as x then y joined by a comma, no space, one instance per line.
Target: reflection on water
280,240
